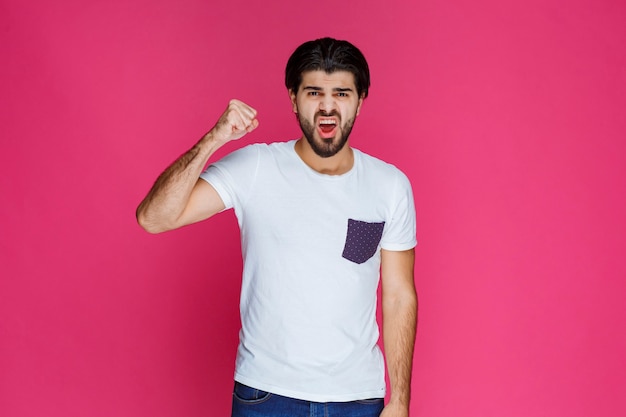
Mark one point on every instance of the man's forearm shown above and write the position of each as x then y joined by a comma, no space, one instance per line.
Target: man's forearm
399,327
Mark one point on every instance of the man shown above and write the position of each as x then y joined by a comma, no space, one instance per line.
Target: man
319,222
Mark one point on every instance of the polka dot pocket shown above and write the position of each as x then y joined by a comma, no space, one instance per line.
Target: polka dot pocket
362,240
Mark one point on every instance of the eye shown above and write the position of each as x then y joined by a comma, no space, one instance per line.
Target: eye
313,93
341,94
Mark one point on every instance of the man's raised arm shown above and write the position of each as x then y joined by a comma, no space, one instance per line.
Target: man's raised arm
179,197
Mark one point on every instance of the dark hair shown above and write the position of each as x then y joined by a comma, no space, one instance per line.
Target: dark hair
327,55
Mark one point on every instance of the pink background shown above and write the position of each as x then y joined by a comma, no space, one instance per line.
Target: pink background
508,117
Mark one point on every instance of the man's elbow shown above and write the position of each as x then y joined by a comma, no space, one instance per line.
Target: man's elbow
152,229
405,299
149,225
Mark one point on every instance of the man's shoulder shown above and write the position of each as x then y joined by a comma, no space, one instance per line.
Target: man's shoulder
256,150
376,165
269,147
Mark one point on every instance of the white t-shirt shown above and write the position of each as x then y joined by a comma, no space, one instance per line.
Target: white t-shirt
311,246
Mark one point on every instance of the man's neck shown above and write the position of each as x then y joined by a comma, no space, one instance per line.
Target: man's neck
338,164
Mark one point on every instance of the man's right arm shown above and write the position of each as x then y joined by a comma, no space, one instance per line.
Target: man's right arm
179,197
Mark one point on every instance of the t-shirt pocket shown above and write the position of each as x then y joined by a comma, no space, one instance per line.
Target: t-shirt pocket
362,240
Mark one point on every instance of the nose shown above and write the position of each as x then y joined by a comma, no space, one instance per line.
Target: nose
327,103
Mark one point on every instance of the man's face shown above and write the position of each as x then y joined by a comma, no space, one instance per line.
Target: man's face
326,106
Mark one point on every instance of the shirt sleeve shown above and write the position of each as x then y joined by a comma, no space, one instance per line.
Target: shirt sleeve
233,176
400,231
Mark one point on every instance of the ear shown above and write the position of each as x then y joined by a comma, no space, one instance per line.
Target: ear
292,96
358,107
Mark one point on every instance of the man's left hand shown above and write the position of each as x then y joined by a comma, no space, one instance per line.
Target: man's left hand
395,410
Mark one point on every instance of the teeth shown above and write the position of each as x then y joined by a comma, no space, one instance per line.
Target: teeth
327,122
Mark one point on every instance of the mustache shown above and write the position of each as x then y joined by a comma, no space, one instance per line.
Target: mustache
331,113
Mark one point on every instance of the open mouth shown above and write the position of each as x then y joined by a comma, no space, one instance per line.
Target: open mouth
327,127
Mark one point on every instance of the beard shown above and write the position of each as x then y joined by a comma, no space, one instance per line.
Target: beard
326,147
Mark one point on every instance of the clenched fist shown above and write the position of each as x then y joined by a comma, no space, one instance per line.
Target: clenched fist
237,120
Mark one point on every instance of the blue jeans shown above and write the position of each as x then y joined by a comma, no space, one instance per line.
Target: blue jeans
251,402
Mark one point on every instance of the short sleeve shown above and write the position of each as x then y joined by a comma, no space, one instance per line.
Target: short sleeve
233,176
400,230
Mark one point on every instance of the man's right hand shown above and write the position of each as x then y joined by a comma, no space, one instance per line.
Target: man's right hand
237,120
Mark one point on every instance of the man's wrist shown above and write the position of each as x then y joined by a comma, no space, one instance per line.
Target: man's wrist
209,143
400,400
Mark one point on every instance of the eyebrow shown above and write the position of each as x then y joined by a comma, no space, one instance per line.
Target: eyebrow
336,89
